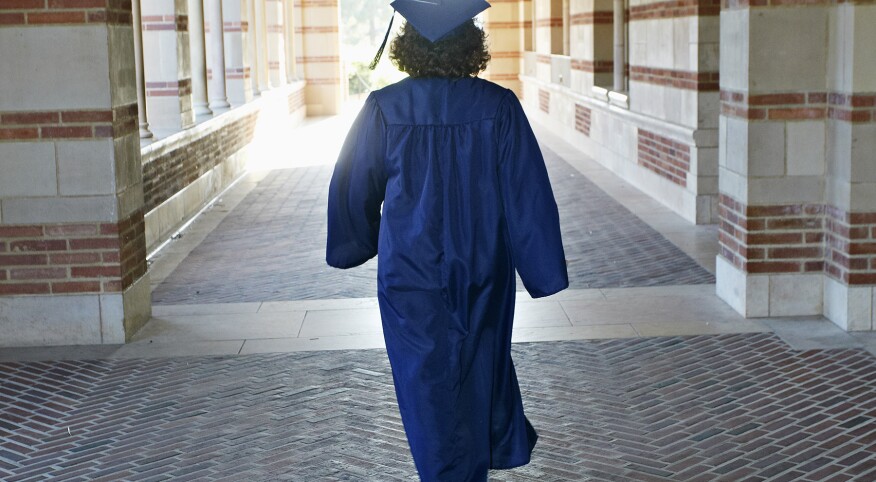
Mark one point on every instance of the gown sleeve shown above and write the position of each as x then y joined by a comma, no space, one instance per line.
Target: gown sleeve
356,191
531,214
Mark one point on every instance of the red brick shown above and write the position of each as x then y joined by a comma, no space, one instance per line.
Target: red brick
22,4
76,287
814,237
813,266
777,99
109,229
3,247
862,218
29,118
24,289
793,253
39,245
71,230
112,286
862,248
94,243
20,231
88,116
2,275
77,3
23,259
797,114
77,132
794,223
39,18
857,279
19,133
766,211
775,238
11,18
773,267
38,273
74,258
110,257
96,271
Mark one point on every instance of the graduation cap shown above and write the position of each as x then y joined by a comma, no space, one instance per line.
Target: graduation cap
433,19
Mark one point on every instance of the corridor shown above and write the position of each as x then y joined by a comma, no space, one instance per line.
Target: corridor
262,364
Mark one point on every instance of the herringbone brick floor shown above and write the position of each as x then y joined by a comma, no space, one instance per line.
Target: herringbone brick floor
730,407
271,247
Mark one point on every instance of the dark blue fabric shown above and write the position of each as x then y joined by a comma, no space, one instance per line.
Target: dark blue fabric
466,200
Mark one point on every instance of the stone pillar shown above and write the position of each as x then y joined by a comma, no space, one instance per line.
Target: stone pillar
237,65
290,40
260,24
167,65
850,207
505,25
198,58
252,47
620,46
215,46
543,39
145,133
321,56
275,15
72,244
591,44
774,102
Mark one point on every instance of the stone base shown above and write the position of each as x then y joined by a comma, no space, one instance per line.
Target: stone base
612,141
850,307
89,319
773,295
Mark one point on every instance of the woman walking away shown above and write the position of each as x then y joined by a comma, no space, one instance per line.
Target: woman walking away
465,200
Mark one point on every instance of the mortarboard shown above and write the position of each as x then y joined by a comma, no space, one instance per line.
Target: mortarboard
433,19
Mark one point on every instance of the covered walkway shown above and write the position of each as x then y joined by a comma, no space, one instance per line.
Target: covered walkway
261,364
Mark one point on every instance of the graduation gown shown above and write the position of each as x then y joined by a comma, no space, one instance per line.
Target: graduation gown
465,200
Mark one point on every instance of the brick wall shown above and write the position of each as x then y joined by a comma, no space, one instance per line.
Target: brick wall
544,101
68,124
850,246
582,119
169,172
71,12
668,158
72,257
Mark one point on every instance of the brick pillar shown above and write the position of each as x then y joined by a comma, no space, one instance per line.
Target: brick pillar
167,65
72,247
797,175
504,23
591,44
850,211
275,15
321,56
237,60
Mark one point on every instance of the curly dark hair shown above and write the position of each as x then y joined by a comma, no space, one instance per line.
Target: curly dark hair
461,53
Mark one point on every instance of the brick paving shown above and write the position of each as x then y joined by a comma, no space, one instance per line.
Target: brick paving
729,407
271,246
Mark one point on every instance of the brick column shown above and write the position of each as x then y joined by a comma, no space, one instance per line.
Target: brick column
321,59
850,211
591,44
237,61
72,248
504,23
167,65
797,175
275,15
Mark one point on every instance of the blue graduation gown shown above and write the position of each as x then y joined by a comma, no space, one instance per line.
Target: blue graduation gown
465,200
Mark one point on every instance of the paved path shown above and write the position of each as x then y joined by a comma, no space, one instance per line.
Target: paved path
729,407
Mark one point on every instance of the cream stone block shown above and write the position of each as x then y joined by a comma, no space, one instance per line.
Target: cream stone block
704,161
314,16
682,28
59,210
748,295
27,169
734,145
684,107
708,109
863,152
766,149
708,30
838,193
796,294
864,56
850,308
86,168
839,149
733,184
122,76
706,56
50,320
128,163
782,59
839,41
805,148
80,52
786,190
863,197
734,57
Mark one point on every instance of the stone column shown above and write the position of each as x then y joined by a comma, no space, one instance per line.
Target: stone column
167,65
73,264
591,44
145,133
774,101
252,47
215,46
290,42
321,56
504,23
237,60
262,48
276,40
198,58
620,47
